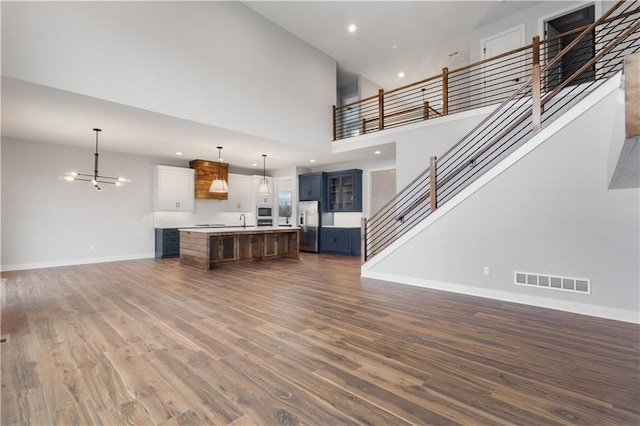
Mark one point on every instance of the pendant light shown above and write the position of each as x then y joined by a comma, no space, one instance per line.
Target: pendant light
219,185
95,178
263,189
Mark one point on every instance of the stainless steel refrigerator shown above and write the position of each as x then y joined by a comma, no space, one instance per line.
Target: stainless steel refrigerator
309,223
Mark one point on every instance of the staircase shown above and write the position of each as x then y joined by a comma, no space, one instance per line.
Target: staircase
540,101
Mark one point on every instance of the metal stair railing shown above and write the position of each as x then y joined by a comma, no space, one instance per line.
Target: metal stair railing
540,100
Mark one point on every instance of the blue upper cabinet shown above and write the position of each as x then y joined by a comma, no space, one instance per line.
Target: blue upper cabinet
344,191
313,187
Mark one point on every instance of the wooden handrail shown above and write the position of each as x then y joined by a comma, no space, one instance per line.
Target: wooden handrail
335,134
445,91
402,112
381,109
493,58
358,102
535,85
433,183
406,86
363,240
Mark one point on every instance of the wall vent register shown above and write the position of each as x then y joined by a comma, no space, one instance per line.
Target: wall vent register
553,282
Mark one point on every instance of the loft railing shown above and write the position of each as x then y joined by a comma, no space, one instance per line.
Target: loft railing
487,82
593,57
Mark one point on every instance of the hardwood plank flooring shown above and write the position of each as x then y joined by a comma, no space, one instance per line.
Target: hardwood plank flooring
297,342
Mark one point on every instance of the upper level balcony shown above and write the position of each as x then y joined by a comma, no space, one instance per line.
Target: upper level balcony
488,82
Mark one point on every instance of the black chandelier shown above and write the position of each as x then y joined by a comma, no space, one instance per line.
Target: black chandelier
95,178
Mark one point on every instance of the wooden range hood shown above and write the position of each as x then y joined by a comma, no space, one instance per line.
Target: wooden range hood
206,172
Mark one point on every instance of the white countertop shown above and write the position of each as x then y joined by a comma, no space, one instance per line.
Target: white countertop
238,229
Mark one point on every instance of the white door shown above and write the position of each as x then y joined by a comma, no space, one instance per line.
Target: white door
504,76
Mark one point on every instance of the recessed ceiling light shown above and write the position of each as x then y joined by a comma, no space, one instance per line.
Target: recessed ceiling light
352,28
377,152
401,74
312,161
178,153
395,46
255,165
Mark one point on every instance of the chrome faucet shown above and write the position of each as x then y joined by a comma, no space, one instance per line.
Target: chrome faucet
244,220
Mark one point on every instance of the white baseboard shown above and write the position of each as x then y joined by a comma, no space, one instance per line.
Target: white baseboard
524,299
71,262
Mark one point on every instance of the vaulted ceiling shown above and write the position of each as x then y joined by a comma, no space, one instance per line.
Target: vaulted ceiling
413,37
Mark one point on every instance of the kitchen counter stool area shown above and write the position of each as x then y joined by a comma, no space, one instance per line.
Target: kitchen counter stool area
207,248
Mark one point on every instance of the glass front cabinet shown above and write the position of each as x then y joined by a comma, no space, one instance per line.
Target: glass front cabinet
345,191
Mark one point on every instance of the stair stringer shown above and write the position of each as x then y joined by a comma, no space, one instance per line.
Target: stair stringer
439,256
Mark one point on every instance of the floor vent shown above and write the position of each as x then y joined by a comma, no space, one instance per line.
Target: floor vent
572,284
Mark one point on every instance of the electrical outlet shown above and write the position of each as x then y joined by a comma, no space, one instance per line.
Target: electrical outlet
486,270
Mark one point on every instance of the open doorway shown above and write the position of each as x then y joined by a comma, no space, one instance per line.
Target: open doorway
580,54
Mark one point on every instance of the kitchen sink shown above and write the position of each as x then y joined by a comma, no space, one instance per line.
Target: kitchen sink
210,225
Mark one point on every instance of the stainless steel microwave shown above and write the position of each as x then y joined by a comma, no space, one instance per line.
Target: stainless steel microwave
265,212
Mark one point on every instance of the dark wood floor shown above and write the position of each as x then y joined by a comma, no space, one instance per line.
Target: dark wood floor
297,342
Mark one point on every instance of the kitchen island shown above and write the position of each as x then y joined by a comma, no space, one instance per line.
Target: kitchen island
205,248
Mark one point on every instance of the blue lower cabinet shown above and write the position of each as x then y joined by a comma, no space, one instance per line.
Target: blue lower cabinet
167,243
341,241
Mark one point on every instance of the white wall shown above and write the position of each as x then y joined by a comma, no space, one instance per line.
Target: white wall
549,213
48,222
383,188
367,87
218,63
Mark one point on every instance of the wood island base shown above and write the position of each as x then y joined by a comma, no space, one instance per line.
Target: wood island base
208,247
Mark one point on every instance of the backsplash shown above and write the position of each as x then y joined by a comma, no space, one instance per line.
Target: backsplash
206,211
347,220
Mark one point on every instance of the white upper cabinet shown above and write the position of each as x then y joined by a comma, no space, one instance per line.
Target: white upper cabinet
240,194
174,189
